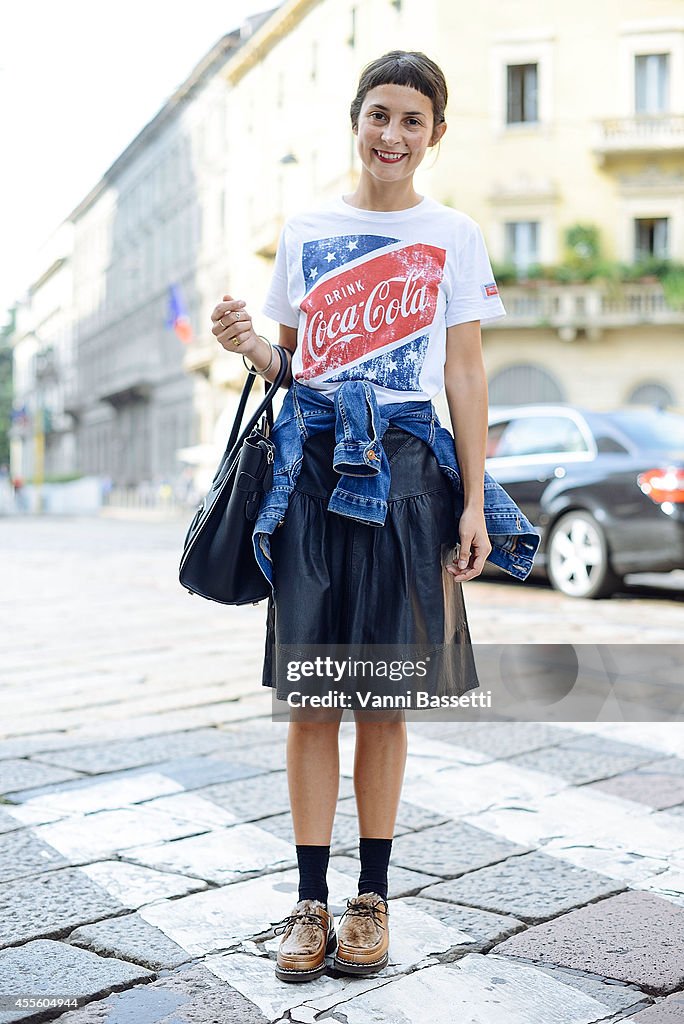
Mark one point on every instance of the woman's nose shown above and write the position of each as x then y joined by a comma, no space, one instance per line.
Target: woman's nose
391,134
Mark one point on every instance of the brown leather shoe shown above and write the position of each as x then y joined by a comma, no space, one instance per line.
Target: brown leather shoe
308,934
363,940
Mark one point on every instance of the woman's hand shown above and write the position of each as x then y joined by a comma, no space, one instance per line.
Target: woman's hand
474,546
232,326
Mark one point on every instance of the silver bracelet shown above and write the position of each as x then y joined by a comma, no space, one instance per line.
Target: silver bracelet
252,369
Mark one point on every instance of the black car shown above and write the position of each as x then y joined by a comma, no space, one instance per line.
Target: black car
605,489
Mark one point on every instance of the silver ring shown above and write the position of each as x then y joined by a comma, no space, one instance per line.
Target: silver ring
237,315
220,321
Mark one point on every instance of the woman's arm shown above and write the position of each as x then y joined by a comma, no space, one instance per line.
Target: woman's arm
258,353
465,382
241,330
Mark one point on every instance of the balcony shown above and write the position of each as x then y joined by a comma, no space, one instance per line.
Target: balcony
644,133
199,356
131,382
593,308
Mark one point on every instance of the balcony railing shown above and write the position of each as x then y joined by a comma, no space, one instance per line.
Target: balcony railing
640,134
589,305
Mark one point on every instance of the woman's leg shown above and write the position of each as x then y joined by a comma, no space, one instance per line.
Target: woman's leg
313,775
379,760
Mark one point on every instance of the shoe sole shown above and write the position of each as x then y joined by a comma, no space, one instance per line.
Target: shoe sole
360,969
294,975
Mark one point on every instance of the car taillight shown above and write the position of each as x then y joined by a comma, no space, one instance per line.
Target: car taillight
663,484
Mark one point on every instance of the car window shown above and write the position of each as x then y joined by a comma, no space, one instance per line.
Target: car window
539,435
657,431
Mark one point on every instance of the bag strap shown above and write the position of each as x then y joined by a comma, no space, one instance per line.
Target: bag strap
266,405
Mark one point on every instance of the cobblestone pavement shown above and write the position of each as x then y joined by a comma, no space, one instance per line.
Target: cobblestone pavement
145,843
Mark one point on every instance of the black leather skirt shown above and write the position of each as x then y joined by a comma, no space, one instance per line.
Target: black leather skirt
353,586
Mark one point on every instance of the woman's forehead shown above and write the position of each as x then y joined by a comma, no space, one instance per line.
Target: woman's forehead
402,98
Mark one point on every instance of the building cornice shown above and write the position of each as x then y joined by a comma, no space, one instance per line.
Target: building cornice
281,22
219,54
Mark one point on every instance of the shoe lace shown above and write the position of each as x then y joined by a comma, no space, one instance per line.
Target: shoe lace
303,916
372,910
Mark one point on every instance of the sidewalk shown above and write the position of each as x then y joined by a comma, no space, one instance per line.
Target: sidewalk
537,872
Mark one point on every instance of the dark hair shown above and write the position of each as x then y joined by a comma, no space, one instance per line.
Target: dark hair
403,67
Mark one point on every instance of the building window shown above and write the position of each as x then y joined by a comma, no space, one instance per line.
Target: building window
314,62
651,238
651,83
351,41
652,393
522,383
521,105
522,243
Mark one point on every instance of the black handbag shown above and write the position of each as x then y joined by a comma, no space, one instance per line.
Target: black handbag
218,557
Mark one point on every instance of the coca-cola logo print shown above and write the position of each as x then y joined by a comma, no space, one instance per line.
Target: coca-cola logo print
358,307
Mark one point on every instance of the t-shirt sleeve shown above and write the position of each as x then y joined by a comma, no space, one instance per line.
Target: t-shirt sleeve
475,295
277,305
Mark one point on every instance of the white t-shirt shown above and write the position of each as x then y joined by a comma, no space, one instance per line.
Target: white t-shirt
372,294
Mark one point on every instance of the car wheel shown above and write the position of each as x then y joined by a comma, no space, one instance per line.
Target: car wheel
578,563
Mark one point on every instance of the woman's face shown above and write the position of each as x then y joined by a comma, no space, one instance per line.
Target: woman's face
394,130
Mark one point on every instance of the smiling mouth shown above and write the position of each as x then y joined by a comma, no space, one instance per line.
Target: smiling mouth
389,158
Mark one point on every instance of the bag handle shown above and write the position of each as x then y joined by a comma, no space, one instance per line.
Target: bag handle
265,405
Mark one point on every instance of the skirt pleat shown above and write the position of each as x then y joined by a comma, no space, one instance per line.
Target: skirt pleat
350,585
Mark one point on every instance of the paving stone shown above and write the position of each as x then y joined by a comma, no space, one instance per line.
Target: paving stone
259,797
130,938
108,792
21,853
667,1011
451,849
474,789
585,760
133,885
482,927
410,815
220,919
99,835
402,882
20,774
51,905
58,969
117,788
222,856
40,743
659,786
267,757
532,887
8,823
107,757
484,990
191,994
634,937
500,739
588,828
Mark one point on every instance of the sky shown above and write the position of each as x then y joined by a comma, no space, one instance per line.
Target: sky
78,80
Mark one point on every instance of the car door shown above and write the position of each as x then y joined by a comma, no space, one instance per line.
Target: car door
528,450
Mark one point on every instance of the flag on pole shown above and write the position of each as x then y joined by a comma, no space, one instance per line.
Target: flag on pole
177,316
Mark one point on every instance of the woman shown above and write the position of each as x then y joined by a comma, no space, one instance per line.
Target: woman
379,296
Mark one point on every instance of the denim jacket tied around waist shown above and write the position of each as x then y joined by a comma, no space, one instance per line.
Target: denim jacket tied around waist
359,457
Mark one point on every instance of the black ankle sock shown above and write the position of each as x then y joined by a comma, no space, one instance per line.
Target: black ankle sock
313,866
374,855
